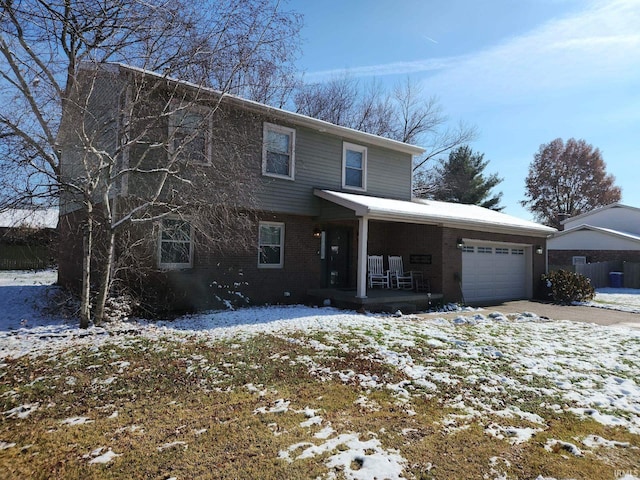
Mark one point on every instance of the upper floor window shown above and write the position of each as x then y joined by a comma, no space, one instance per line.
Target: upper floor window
271,245
278,151
190,135
176,244
354,166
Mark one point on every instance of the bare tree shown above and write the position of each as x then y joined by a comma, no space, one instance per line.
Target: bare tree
568,179
148,159
333,101
245,46
403,114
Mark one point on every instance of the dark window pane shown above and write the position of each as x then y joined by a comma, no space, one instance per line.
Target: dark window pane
192,150
175,252
353,178
270,255
278,163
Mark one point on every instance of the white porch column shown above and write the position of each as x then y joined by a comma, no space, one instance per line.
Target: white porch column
363,237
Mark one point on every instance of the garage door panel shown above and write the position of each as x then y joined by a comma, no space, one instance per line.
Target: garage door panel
493,272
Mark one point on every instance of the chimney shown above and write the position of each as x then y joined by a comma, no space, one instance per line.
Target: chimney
562,216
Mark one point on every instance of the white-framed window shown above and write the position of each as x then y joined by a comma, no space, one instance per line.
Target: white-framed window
578,260
502,251
278,151
354,166
175,245
485,250
468,248
190,135
271,245
517,251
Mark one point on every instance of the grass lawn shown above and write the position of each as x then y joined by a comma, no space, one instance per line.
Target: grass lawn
318,393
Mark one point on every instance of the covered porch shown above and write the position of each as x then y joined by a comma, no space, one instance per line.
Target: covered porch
348,238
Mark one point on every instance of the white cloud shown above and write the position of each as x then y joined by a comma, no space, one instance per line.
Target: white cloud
600,44
395,68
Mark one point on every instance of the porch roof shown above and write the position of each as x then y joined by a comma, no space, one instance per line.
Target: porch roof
455,215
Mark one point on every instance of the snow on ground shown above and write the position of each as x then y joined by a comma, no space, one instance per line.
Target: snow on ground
22,296
623,299
499,362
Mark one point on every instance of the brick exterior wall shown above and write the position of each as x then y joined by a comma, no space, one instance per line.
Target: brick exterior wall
239,272
231,276
70,251
236,276
565,257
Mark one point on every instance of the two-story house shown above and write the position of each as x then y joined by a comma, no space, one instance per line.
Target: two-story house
326,197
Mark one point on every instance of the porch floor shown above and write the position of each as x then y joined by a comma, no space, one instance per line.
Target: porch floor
378,299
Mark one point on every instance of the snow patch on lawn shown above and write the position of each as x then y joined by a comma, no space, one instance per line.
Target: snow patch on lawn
622,299
356,459
97,457
495,363
76,421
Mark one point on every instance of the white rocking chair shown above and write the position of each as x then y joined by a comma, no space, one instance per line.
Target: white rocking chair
378,277
399,278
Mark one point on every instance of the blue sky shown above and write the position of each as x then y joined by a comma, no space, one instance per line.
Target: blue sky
524,72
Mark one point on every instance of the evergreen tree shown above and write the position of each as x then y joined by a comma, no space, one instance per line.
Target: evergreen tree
460,179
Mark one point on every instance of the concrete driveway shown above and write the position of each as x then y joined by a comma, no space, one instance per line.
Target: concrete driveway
600,316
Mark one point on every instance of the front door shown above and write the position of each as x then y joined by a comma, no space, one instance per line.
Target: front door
338,257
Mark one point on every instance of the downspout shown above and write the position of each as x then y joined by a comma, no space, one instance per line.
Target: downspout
363,238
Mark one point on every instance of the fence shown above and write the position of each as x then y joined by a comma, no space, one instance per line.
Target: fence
24,264
599,272
631,275
25,257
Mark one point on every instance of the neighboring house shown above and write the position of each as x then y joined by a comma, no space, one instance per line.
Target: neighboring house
27,238
327,197
610,233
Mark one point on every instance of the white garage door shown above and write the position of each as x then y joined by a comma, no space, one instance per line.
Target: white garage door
493,272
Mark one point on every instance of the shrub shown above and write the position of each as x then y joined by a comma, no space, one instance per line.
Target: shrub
564,286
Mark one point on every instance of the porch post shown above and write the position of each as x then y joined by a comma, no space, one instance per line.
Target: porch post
363,237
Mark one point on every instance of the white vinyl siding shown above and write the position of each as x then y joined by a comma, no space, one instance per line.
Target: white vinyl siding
271,245
354,167
278,151
318,164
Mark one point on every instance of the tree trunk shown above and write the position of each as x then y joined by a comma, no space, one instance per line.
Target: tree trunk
105,280
85,298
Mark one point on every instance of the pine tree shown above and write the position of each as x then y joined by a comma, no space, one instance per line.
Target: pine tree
460,179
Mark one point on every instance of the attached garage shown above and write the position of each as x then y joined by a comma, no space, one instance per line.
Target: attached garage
495,271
